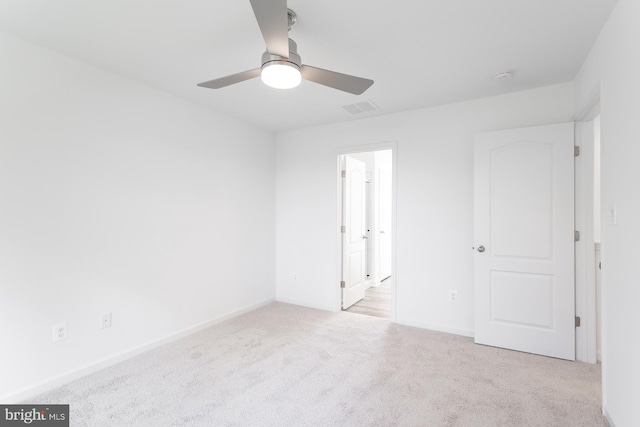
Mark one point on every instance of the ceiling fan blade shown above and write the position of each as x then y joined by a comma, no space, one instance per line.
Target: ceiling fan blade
274,24
343,82
230,80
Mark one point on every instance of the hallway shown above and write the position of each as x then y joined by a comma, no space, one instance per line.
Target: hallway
376,302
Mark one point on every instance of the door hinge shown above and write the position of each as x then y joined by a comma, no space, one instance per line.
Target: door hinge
343,229
343,174
577,236
342,284
577,322
576,150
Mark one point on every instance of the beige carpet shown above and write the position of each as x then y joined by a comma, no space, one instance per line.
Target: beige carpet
284,365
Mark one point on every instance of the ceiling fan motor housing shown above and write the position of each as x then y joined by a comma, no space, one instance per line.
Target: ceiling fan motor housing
294,58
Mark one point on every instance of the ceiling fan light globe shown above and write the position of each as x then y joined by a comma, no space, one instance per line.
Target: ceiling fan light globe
281,75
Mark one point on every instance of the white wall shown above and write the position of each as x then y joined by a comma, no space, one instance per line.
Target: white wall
434,201
383,200
613,69
117,197
597,179
597,231
368,158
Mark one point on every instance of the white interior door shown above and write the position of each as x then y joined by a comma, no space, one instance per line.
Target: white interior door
524,240
354,232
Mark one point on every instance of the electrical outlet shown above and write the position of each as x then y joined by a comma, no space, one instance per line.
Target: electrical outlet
59,331
453,295
105,320
294,276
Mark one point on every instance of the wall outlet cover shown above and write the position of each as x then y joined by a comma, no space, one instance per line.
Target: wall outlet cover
59,331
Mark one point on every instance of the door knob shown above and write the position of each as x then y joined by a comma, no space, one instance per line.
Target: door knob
365,236
480,248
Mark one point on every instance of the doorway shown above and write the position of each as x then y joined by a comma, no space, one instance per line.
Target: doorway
366,217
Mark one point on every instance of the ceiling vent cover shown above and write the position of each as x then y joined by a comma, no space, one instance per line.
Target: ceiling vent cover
361,107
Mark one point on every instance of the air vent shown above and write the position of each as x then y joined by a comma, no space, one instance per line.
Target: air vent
352,108
361,107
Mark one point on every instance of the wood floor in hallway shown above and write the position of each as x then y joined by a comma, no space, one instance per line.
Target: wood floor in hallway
376,302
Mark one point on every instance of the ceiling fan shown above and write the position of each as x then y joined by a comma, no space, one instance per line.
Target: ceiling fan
282,67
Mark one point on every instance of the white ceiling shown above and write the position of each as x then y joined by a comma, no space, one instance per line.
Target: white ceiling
420,53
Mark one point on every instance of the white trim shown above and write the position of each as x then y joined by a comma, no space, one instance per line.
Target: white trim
585,249
90,368
438,328
584,112
308,304
386,145
590,108
606,415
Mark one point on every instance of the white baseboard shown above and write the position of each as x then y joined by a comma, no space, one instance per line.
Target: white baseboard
305,304
608,417
437,328
90,368
431,327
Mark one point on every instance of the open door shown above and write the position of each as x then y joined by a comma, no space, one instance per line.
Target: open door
524,240
354,274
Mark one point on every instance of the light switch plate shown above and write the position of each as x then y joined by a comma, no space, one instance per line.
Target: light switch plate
105,320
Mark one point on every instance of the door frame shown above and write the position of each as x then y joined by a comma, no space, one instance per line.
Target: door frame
387,145
586,350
